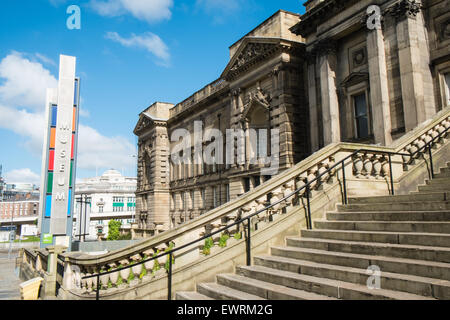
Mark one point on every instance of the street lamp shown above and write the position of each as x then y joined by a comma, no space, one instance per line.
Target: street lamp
11,228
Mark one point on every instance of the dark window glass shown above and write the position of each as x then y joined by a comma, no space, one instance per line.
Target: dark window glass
362,122
246,184
447,81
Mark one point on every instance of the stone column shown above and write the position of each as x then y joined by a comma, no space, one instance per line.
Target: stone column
328,91
312,99
379,92
411,70
51,274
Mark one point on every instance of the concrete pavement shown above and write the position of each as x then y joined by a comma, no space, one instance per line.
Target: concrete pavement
9,281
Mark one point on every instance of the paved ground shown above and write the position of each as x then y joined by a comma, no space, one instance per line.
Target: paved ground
9,280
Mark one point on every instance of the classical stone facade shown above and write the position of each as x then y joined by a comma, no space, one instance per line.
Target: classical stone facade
374,84
320,78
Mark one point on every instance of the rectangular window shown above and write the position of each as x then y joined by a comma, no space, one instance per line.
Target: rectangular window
192,199
183,201
215,197
361,116
227,192
174,201
246,184
257,181
203,192
447,87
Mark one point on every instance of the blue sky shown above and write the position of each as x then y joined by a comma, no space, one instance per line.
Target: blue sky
130,53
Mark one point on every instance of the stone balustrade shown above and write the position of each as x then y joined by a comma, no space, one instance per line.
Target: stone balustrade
204,93
365,166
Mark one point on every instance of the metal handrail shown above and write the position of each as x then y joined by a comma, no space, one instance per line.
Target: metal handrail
308,211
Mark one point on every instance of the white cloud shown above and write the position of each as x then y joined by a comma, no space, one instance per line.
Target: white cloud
29,125
96,150
25,82
148,41
22,175
147,10
21,114
46,60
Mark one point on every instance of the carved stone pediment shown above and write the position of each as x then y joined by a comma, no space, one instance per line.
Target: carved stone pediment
254,50
251,52
259,98
355,78
146,121
143,123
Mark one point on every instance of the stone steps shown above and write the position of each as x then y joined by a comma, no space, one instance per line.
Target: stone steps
265,289
442,174
390,226
389,216
432,196
423,286
438,181
422,268
440,254
397,206
405,237
220,292
328,287
433,188
426,239
191,295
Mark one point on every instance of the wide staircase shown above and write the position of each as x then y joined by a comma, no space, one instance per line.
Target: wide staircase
403,241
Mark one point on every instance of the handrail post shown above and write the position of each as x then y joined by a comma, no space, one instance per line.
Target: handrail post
431,160
391,175
249,262
344,183
169,279
97,294
308,209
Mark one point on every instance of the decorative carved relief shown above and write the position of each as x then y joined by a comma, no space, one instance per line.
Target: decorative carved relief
359,57
252,51
444,33
258,97
404,8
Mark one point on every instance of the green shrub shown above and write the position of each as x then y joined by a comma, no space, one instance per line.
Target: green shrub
209,243
114,230
167,264
223,240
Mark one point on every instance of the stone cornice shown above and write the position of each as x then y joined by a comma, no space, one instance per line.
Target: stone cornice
318,14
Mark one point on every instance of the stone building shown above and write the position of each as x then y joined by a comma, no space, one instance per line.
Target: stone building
105,198
323,77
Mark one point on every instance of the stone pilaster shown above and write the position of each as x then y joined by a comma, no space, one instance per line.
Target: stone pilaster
379,92
413,72
312,101
328,91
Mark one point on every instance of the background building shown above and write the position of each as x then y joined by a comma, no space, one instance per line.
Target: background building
19,209
320,78
110,197
21,214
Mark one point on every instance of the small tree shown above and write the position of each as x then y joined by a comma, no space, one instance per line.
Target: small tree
114,230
